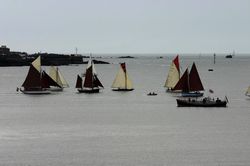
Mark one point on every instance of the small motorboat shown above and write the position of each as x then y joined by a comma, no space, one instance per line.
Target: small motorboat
205,102
152,94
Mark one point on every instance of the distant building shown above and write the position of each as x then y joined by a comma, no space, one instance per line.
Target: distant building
4,50
8,58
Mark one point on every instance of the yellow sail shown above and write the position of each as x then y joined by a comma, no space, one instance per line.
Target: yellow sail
56,75
122,80
64,82
37,63
173,76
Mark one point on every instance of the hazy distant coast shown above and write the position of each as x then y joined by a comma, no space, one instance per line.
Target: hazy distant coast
15,58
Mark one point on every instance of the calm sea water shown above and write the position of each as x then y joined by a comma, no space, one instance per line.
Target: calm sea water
112,128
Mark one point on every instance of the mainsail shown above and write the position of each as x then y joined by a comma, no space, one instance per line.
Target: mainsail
33,79
122,80
194,80
173,74
56,75
189,82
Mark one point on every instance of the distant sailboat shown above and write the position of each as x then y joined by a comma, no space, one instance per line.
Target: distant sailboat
122,81
190,83
91,83
35,82
56,75
248,92
173,75
230,55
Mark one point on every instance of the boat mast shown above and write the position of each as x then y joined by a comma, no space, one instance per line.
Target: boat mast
57,77
123,65
92,77
125,80
188,83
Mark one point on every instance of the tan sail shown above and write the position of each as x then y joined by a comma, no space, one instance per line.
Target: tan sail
122,80
173,77
173,74
37,63
64,82
56,75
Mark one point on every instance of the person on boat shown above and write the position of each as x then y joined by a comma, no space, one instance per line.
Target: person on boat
218,100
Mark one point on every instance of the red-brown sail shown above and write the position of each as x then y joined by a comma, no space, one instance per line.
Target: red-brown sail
33,79
194,80
79,82
123,65
183,83
176,62
88,82
97,82
48,81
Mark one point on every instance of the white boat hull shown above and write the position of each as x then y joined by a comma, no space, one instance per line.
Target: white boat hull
41,92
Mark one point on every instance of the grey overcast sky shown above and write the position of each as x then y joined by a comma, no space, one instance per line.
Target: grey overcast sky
126,26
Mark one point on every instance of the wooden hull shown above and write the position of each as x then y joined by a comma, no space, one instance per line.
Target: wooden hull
122,90
88,90
39,92
192,94
200,103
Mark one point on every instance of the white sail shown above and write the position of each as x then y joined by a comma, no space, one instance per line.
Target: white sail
173,76
122,80
37,63
248,91
56,75
90,63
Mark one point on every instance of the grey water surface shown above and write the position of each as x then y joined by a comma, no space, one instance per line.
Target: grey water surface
113,129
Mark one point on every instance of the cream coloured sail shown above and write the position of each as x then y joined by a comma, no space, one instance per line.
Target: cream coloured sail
173,77
173,74
248,91
37,63
57,76
122,80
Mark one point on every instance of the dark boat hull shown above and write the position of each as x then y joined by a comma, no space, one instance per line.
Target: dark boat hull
88,90
172,91
123,90
192,94
200,103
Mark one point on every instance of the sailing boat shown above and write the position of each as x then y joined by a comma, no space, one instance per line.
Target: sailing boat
35,83
248,92
58,78
91,83
190,83
173,75
122,81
